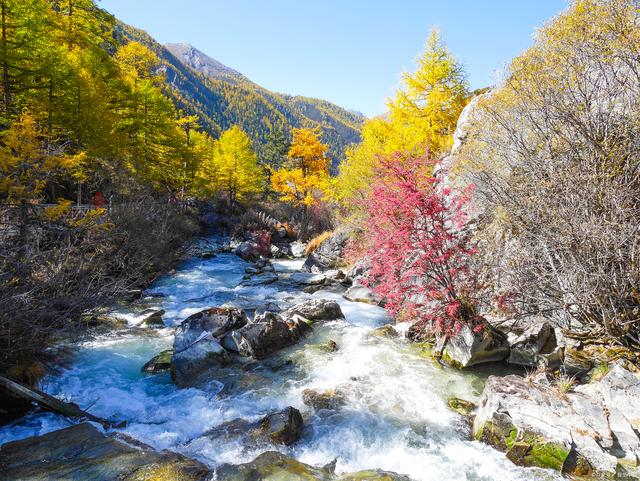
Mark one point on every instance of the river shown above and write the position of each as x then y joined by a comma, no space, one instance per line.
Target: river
396,417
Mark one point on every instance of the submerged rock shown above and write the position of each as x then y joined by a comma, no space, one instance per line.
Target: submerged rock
331,399
267,334
205,353
387,331
316,310
159,363
261,279
592,431
280,427
277,466
81,453
358,293
152,317
468,348
462,407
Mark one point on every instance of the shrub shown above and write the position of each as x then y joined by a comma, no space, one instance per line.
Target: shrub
420,246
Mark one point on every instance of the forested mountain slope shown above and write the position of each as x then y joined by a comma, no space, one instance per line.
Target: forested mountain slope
222,97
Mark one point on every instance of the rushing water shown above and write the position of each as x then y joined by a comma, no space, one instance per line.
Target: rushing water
395,418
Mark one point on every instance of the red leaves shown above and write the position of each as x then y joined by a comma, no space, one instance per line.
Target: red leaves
420,245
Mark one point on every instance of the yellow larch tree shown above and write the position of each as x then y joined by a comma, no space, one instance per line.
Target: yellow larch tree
303,180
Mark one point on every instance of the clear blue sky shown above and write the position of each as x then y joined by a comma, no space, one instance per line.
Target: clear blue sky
350,52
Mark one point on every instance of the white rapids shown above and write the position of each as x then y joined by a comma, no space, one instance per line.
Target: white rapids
395,419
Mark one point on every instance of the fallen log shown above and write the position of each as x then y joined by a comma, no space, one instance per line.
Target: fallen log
50,403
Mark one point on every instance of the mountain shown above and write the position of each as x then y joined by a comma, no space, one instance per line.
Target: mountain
222,97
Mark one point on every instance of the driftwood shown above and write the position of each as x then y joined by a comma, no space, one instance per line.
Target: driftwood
50,403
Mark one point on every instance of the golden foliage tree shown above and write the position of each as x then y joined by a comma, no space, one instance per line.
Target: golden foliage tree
422,118
231,167
303,181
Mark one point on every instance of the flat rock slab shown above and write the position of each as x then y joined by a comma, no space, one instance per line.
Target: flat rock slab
82,453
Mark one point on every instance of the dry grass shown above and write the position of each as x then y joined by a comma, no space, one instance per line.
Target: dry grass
317,242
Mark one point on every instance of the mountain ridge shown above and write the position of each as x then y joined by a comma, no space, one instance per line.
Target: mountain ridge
222,97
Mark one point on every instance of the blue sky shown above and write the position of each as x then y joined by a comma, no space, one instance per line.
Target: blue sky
351,52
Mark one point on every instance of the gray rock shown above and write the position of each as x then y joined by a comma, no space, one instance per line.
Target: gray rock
329,254
358,293
281,427
316,310
331,399
152,317
267,334
217,321
468,348
188,365
81,453
261,279
297,249
537,346
307,279
248,251
585,432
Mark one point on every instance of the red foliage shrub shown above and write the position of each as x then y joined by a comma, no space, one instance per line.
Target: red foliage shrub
420,247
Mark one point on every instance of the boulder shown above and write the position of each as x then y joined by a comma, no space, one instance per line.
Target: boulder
307,279
592,431
261,279
537,346
267,334
82,452
151,317
316,310
280,427
216,321
329,254
274,466
277,466
331,399
358,293
387,331
468,347
297,249
188,365
248,250
159,363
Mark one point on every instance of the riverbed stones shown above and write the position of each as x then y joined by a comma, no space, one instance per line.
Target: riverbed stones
248,251
592,431
470,347
159,363
297,249
359,293
151,317
330,399
82,452
386,331
280,427
217,321
538,345
316,310
267,334
201,356
277,466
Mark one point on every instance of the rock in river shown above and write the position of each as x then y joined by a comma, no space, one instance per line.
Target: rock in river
316,310
468,347
159,363
280,427
267,334
82,453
